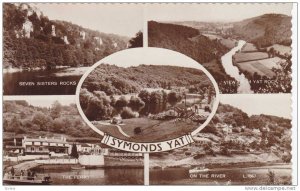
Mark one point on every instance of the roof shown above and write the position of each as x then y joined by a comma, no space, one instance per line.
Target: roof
85,145
48,140
14,147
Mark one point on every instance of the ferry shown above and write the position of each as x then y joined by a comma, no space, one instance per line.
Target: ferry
77,167
24,180
198,170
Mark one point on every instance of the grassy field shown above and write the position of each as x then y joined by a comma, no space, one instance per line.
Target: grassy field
111,130
243,57
157,130
249,47
262,67
152,130
281,49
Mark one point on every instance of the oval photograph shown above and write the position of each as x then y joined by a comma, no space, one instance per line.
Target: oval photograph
147,95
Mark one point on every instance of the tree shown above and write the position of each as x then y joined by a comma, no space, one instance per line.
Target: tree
127,113
145,96
136,41
42,121
98,109
136,104
22,102
271,176
15,126
74,152
84,98
120,103
59,125
112,101
137,130
56,109
173,98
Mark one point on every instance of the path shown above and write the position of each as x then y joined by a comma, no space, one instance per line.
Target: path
118,126
121,131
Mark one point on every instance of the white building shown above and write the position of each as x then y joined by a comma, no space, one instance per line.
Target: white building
45,146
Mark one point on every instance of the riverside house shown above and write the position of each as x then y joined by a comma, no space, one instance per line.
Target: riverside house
45,146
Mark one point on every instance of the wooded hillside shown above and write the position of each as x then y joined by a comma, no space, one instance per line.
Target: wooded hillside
118,80
31,40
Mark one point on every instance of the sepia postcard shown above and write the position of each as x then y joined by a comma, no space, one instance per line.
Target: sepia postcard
149,94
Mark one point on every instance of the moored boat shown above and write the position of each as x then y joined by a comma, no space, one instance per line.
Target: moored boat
198,169
24,180
77,167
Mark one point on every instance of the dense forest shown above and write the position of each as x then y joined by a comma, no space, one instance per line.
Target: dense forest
32,40
114,80
21,118
190,42
265,30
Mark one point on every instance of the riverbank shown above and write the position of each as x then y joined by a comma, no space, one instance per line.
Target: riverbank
13,70
219,161
230,175
72,71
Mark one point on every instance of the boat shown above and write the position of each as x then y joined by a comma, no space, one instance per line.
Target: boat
77,167
198,170
24,180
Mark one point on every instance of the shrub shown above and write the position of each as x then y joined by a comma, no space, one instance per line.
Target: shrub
137,130
121,103
188,153
127,113
136,103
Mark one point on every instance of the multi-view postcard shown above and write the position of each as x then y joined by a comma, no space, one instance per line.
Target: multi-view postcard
149,94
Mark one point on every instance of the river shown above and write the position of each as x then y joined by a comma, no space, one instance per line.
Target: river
234,176
233,71
59,81
111,176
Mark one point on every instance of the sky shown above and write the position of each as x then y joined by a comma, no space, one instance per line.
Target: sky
125,20
150,56
45,101
212,12
256,104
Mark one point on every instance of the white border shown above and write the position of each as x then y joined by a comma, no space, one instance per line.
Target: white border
295,116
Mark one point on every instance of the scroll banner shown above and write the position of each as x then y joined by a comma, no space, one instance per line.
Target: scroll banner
147,147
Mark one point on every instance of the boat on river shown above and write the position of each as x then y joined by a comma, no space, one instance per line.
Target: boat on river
77,167
198,169
25,180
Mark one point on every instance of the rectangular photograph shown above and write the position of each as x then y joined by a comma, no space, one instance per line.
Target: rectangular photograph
45,142
248,142
48,47
245,46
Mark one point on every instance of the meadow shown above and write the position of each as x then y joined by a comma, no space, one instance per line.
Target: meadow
249,56
262,67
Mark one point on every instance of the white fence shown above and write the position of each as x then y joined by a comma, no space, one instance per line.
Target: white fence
26,157
57,161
